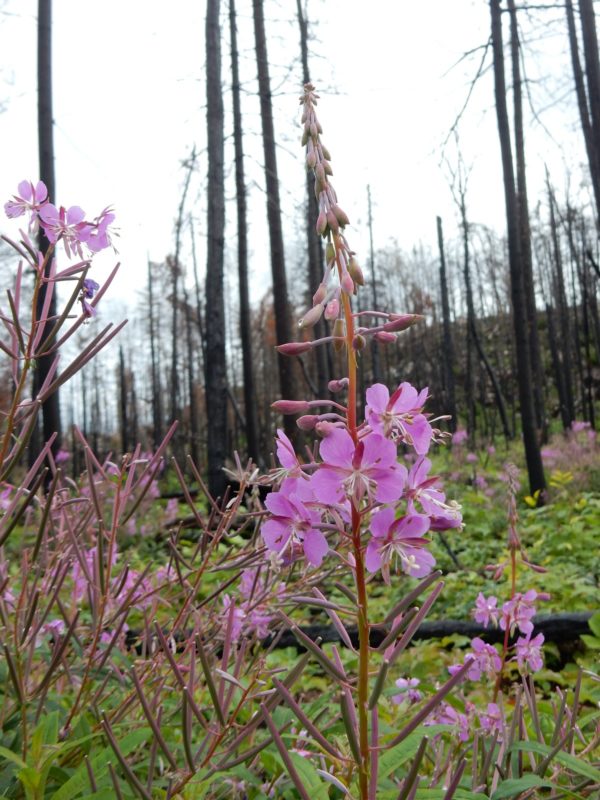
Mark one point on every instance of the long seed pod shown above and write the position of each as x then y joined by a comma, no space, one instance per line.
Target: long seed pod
285,756
351,732
305,721
413,772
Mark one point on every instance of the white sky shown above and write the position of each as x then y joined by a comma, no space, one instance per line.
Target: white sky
128,105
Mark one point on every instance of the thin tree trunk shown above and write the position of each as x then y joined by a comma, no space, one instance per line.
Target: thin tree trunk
157,413
215,365
193,451
447,344
251,427
283,326
523,211
50,407
533,456
123,419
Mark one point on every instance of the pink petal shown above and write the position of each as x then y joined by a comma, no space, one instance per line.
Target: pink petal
285,451
411,526
279,505
41,192
275,534
379,451
378,397
75,214
25,190
327,485
337,448
49,213
315,547
421,434
406,399
372,557
390,483
382,522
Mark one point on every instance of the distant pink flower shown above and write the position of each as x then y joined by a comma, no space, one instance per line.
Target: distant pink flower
30,198
483,658
491,450
399,416
368,469
519,612
62,456
400,539
485,610
408,691
529,652
445,714
578,425
67,225
291,522
459,437
491,721
471,458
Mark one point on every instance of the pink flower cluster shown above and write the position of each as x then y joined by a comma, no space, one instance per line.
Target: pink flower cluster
314,501
59,223
251,612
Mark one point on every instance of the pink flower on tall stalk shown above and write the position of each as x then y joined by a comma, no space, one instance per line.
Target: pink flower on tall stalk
100,236
30,198
399,416
486,610
65,224
293,522
519,612
529,652
401,539
368,469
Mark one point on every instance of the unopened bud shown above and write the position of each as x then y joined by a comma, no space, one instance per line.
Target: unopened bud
311,160
324,428
359,342
290,406
320,295
332,309
347,283
339,331
314,131
321,225
305,135
329,253
311,317
307,422
293,348
320,174
338,385
326,153
356,272
341,216
332,221
327,168
385,337
400,322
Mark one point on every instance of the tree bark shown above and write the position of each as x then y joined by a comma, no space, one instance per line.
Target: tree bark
215,364
447,343
283,326
51,406
533,456
251,419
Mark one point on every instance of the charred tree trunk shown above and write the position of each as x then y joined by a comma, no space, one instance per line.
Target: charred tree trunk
447,344
194,438
215,365
535,358
251,419
50,407
592,74
283,326
157,411
123,419
533,456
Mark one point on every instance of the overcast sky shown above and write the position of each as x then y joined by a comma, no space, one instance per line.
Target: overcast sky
129,106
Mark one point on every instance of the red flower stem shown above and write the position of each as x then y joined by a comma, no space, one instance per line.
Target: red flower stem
361,587
513,591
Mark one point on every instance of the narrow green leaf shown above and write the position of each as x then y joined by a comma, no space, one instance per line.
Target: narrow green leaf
515,786
578,765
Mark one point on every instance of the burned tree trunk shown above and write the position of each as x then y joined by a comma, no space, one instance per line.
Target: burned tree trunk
447,344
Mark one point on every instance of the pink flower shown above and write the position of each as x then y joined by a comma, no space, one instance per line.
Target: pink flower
292,522
485,610
519,611
401,538
492,721
65,224
421,489
471,458
399,416
30,198
445,714
368,469
460,437
529,652
100,237
408,691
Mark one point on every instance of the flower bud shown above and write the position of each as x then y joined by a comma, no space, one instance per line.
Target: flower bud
341,216
320,295
311,160
359,342
326,153
356,272
321,225
305,134
332,221
311,317
338,385
332,309
323,428
327,168
320,174
314,131
400,322
329,253
347,283
385,337
307,422
290,406
293,348
339,331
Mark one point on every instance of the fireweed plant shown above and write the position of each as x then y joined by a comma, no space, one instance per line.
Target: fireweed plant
138,641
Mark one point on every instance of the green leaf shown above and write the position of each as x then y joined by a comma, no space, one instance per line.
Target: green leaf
514,786
309,777
594,623
80,781
578,765
8,754
394,758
